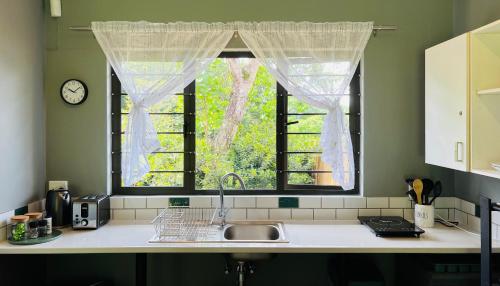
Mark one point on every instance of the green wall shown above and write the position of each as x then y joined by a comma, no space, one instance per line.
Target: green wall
22,108
468,15
393,80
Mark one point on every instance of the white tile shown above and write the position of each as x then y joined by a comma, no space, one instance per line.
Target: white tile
228,202
377,203
347,214
468,207
268,202
280,214
257,214
116,202
302,214
444,213
461,217
200,202
332,202
35,206
354,203
392,212
369,212
399,203
134,203
309,202
244,202
495,217
237,214
408,214
122,214
445,202
458,203
3,233
5,218
494,231
145,214
474,223
324,214
155,202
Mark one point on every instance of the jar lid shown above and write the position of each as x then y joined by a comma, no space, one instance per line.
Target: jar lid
34,215
19,218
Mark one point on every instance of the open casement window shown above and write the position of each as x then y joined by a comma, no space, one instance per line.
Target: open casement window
235,117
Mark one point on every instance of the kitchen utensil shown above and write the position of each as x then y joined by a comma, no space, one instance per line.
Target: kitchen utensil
412,195
436,192
428,187
58,207
424,215
409,182
418,187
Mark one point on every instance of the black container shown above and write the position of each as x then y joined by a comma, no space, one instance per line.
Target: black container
58,206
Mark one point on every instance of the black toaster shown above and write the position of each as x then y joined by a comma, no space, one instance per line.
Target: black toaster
91,211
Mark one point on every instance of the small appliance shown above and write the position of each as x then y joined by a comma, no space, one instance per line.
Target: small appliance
393,226
91,211
58,207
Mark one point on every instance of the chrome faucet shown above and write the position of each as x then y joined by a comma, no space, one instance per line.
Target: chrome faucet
223,180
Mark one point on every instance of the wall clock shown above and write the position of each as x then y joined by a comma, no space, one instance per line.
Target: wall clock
74,91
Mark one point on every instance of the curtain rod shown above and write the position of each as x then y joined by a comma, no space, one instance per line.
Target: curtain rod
375,28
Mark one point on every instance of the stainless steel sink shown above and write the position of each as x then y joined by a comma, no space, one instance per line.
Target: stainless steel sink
252,231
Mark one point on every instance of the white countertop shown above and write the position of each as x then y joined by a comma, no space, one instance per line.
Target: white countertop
304,237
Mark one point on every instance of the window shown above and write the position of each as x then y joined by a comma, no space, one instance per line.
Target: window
235,118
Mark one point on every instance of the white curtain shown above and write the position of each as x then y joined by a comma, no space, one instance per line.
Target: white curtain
315,62
153,61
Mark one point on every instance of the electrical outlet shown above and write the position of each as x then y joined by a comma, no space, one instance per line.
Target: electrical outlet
57,185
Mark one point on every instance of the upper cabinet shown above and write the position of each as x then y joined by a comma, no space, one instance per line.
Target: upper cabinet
462,102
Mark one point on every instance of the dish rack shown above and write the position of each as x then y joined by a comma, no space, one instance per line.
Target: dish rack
185,225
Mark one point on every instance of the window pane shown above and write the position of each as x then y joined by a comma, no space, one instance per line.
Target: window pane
236,124
161,179
318,179
303,142
306,123
161,122
166,161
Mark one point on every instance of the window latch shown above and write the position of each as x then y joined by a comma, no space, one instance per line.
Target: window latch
291,123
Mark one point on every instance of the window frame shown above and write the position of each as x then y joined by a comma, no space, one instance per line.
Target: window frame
188,188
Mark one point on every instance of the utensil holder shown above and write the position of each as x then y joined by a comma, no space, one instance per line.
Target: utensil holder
424,215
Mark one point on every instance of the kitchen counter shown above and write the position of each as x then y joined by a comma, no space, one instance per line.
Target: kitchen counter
304,237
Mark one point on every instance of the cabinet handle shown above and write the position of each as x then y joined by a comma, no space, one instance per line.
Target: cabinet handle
459,151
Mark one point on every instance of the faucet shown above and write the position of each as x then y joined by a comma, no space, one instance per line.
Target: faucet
223,180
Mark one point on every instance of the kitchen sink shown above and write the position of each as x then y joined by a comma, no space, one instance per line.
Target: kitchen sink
249,231
254,232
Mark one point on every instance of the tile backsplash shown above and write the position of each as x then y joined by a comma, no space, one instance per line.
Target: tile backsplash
284,208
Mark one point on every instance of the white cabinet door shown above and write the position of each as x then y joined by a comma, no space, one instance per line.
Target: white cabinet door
446,104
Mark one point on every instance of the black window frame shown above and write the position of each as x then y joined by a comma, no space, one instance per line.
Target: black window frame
282,186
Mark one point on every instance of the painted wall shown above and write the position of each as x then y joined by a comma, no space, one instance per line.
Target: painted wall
468,15
393,81
22,108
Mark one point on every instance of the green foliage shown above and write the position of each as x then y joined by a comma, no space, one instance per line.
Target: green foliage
252,153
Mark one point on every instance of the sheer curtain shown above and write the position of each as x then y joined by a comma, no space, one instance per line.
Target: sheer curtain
153,61
315,62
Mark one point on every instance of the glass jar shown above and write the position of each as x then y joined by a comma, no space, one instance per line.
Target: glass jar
42,228
33,229
17,228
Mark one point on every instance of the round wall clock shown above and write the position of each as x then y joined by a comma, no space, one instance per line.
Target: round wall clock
74,91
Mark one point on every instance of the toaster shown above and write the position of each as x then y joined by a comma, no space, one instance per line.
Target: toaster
91,211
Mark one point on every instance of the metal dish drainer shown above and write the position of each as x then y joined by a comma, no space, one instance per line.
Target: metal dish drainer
185,225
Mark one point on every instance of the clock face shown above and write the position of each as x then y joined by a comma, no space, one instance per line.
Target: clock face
74,91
